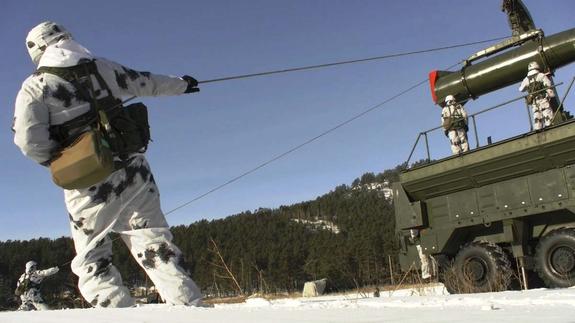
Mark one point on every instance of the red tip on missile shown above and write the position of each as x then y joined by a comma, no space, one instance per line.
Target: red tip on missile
433,76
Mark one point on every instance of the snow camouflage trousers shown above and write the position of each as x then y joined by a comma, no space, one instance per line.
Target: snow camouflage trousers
542,113
425,262
32,300
128,203
458,140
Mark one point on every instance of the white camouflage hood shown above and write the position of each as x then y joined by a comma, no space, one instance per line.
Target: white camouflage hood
66,52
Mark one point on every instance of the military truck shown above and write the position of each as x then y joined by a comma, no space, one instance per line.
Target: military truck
512,199
503,210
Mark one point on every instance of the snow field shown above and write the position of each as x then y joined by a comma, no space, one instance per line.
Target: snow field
431,304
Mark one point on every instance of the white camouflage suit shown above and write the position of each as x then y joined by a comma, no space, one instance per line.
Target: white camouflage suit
541,105
456,133
127,202
425,260
31,297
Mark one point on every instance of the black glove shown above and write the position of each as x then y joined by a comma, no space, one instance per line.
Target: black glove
192,84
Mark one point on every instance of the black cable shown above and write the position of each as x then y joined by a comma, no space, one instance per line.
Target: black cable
304,143
348,62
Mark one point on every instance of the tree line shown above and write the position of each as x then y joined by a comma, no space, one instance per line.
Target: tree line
265,250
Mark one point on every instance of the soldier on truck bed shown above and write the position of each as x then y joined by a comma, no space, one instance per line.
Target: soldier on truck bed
454,122
538,99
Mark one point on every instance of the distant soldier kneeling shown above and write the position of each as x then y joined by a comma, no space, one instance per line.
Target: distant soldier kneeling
28,287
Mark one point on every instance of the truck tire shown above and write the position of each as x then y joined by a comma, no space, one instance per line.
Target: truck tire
555,258
481,267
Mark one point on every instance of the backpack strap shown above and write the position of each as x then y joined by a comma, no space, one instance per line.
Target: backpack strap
80,76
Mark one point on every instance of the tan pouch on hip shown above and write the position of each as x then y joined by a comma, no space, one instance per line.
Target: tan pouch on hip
86,162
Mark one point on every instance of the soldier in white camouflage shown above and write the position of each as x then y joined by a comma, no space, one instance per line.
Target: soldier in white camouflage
425,260
537,85
454,123
28,287
127,202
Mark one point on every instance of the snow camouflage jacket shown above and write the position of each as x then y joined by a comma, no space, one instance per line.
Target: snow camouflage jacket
32,280
45,99
453,116
539,78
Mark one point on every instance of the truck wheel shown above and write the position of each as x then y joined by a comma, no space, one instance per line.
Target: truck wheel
481,267
555,258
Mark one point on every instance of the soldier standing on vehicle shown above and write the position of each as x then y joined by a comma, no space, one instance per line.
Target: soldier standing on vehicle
537,85
73,96
454,123
28,287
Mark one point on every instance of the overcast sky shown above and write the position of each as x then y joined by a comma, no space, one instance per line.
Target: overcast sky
203,140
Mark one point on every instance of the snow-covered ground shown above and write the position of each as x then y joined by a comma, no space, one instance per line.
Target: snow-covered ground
420,305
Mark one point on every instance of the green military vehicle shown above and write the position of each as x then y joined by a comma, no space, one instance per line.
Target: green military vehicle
503,210
477,211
